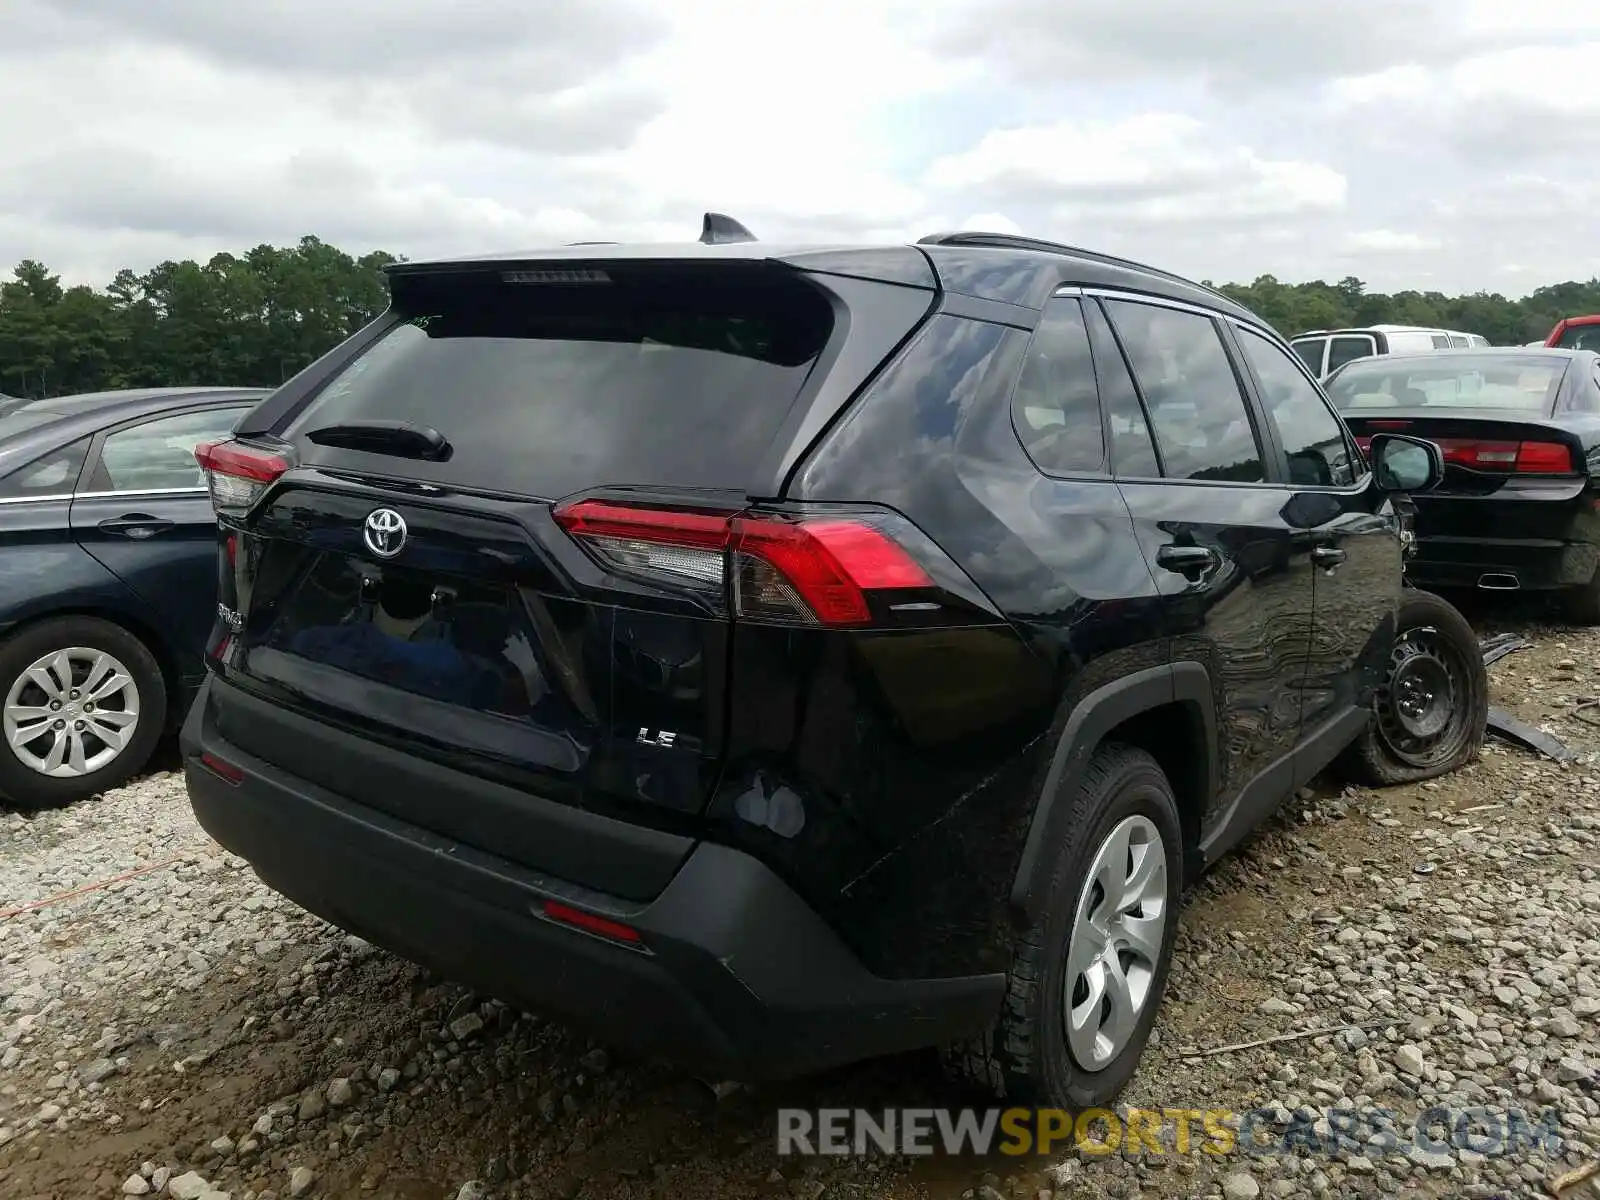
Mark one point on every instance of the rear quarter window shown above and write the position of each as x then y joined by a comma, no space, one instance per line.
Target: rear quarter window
664,379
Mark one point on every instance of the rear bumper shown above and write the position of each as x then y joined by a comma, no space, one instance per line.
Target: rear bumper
1535,563
737,976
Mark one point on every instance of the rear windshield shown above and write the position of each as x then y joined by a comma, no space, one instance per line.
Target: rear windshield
1580,337
1529,384
674,380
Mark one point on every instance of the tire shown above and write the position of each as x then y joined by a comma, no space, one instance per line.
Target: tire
1029,1056
90,644
1396,747
1581,604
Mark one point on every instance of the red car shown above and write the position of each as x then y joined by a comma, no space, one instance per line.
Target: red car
1576,333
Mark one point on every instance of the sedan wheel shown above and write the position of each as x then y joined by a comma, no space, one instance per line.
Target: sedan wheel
83,703
72,712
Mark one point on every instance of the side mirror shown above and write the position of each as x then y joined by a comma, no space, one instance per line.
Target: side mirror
1406,464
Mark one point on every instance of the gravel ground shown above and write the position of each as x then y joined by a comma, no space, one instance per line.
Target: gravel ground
183,1032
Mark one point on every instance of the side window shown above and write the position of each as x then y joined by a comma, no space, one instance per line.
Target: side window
1347,349
1056,407
53,474
1310,352
1201,424
159,455
1133,449
1312,437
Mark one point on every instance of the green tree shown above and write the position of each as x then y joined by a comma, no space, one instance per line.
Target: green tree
258,317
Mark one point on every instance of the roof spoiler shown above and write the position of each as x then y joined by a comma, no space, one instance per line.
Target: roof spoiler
720,230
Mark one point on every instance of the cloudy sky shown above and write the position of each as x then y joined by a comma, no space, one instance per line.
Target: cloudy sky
1451,144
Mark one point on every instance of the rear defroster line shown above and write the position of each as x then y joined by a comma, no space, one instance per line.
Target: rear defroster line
148,869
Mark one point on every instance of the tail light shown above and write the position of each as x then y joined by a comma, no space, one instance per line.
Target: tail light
788,569
1535,458
237,474
1529,458
1545,458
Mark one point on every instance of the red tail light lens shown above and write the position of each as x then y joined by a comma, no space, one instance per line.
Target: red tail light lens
1537,458
1544,458
237,474
811,571
824,567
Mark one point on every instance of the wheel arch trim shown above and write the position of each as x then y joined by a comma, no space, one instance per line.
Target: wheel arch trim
1086,726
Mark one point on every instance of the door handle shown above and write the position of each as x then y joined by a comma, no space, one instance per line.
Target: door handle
136,525
1186,560
1327,556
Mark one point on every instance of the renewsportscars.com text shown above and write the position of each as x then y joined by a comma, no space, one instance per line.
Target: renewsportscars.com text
1165,1131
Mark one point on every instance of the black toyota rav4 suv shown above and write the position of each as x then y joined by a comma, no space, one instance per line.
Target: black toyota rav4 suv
771,657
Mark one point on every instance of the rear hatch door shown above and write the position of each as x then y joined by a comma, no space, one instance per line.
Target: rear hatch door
407,577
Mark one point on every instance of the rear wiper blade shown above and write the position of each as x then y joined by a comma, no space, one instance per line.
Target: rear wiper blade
399,438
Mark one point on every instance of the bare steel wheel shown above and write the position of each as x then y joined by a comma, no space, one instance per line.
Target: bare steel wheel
1115,949
72,712
1432,707
82,705
1422,715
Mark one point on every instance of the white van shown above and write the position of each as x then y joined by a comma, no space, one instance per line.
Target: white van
1325,350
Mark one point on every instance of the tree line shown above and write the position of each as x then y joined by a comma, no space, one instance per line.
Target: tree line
256,319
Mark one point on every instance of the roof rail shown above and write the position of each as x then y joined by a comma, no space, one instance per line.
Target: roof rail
718,230
594,243
1011,241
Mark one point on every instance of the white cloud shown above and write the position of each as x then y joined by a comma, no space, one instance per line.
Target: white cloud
1388,241
1159,167
1401,139
992,223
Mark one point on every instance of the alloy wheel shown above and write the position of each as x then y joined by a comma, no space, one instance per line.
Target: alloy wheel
72,712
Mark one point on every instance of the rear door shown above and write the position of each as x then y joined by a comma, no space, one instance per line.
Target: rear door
143,511
543,602
1237,597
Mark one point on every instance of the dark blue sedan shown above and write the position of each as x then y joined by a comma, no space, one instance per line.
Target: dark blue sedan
108,581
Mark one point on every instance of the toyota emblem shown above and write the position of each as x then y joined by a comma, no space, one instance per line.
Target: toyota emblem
384,532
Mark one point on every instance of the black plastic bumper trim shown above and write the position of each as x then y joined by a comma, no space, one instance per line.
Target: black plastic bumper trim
743,980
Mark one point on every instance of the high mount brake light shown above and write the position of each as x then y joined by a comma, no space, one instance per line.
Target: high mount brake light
237,474
806,570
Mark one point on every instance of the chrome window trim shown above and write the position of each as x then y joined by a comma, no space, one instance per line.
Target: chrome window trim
105,495
35,499
194,491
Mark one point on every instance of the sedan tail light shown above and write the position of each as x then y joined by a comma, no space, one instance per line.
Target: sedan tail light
1509,457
